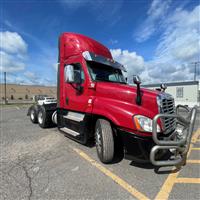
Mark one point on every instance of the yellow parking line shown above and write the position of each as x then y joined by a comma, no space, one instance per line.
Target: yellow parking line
171,179
196,136
193,161
188,180
190,149
111,175
198,149
167,186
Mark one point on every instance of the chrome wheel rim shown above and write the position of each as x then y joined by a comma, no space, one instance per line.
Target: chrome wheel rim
98,140
32,114
40,117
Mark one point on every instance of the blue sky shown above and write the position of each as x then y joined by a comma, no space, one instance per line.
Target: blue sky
156,39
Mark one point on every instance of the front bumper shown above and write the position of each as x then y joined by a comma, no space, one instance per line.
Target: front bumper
138,147
179,143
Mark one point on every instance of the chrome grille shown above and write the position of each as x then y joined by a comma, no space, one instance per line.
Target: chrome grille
167,106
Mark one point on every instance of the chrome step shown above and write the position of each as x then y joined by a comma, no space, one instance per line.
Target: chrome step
70,131
78,117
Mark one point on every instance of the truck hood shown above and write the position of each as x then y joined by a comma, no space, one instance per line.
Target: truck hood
126,94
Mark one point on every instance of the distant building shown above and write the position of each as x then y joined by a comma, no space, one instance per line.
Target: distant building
185,93
25,92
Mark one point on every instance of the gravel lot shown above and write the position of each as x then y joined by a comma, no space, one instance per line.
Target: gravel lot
44,164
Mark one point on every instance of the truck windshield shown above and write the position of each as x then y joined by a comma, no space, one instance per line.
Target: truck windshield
101,72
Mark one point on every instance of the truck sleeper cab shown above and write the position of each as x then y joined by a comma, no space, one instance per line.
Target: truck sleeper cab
94,101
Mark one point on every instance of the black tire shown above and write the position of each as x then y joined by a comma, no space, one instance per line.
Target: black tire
33,115
104,140
44,118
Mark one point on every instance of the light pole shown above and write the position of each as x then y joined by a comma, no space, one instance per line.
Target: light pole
195,68
5,87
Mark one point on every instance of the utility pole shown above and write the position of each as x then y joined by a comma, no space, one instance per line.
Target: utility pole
195,68
5,87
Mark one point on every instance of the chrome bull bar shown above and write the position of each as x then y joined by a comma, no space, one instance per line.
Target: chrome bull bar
180,146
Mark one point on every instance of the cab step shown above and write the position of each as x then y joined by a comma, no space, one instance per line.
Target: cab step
78,117
70,131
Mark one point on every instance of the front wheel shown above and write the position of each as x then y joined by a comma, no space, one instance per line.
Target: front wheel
104,140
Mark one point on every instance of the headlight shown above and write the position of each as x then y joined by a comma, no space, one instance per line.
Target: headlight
143,123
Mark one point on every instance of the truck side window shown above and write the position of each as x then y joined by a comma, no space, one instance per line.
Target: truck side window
78,73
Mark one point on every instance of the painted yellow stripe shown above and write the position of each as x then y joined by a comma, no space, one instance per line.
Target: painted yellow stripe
196,136
111,175
188,180
193,161
171,179
190,149
197,149
167,186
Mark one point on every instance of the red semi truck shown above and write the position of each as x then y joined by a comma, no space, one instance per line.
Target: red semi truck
95,102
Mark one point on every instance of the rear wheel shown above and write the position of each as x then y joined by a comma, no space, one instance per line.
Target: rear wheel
44,118
33,115
104,140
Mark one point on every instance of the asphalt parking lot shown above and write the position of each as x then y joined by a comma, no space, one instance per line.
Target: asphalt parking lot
44,164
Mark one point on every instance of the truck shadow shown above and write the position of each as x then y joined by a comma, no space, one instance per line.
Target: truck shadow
145,164
135,161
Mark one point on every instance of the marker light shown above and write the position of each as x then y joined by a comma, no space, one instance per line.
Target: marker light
87,56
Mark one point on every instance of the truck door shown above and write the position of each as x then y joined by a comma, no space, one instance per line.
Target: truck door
75,93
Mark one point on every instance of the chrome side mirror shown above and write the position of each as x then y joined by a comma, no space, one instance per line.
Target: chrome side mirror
136,79
163,87
69,74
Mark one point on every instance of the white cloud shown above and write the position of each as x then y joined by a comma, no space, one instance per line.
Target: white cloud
179,44
30,75
12,42
32,78
29,78
155,15
15,61
166,72
9,63
102,10
13,52
158,8
132,62
181,38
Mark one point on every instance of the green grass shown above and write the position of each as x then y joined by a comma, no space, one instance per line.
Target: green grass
15,104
